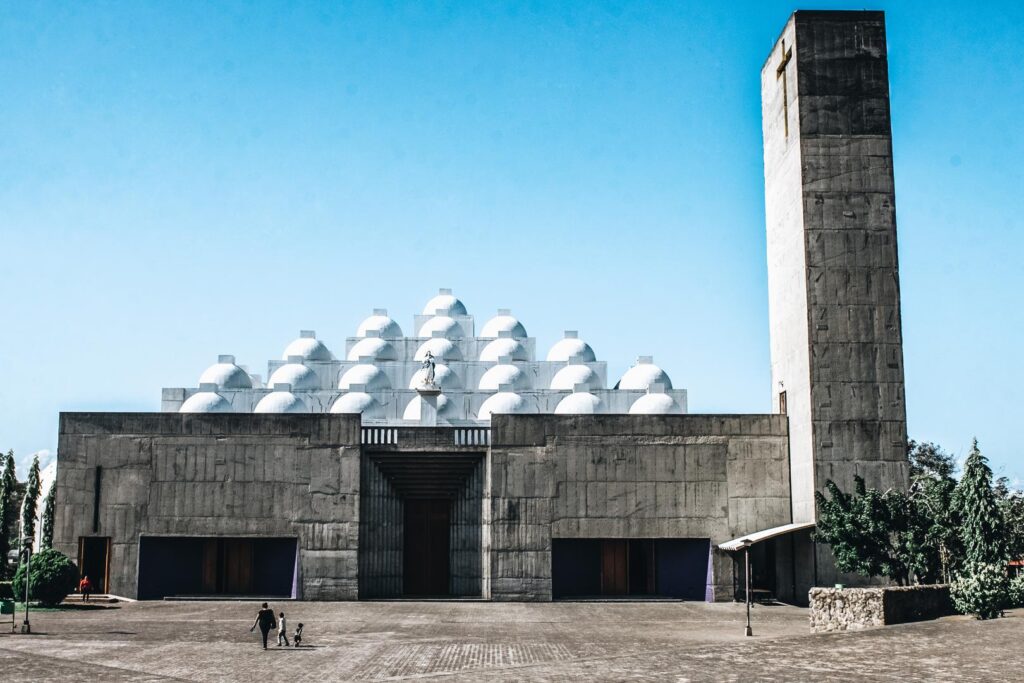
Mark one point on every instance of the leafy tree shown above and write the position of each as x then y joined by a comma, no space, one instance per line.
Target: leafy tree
30,505
982,590
931,489
867,531
8,485
1011,503
982,527
48,509
53,576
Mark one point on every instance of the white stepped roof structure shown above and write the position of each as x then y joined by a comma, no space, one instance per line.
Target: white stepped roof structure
378,373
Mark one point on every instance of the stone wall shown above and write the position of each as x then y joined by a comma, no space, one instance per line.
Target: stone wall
213,475
855,609
619,476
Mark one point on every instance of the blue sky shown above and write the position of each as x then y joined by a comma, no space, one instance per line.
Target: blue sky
179,180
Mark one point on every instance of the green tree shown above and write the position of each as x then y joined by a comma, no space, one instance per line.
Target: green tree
48,509
1011,503
865,530
8,485
53,576
982,527
30,505
932,484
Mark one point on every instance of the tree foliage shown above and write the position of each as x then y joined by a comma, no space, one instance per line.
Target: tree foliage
30,505
982,526
871,533
982,589
51,578
8,485
48,509
932,484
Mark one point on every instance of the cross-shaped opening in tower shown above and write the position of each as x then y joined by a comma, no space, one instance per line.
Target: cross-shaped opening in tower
780,72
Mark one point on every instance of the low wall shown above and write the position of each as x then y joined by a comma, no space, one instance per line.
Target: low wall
855,609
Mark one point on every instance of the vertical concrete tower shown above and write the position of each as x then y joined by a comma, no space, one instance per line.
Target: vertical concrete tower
833,282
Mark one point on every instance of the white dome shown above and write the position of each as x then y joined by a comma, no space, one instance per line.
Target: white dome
654,404
373,347
444,377
226,376
445,303
503,346
296,374
372,377
205,402
581,403
446,326
642,375
504,374
443,349
565,349
280,402
309,347
381,323
445,408
503,322
568,377
501,403
357,402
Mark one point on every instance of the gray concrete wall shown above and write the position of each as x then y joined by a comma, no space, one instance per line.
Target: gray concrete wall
833,271
214,475
381,535
674,476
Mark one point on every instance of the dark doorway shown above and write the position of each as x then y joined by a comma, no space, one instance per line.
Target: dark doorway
426,558
170,566
664,567
94,561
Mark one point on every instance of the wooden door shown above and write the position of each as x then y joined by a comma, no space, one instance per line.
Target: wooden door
237,566
614,567
426,547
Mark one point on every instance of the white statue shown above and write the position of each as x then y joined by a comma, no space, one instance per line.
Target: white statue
428,365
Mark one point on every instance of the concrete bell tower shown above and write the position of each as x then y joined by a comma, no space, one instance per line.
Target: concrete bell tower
833,278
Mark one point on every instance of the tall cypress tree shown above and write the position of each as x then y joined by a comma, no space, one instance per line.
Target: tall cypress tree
47,539
8,482
982,527
30,505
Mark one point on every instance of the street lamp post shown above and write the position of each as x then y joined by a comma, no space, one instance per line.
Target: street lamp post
26,627
746,577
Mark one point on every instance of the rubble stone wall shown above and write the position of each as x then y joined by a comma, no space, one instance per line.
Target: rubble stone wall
855,609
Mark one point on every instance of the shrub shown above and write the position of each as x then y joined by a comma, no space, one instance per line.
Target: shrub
53,576
1017,591
982,590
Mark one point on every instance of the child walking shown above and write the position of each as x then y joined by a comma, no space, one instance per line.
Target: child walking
297,638
282,630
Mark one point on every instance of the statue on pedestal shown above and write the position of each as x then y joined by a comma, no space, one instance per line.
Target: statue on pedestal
428,365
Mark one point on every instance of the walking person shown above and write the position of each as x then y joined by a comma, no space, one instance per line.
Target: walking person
282,630
297,638
85,588
266,621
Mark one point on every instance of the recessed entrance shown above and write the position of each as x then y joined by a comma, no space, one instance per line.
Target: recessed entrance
187,566
427,545
638,567
94,561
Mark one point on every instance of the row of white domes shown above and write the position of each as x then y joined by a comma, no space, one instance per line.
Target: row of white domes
502,402
439,341
226,375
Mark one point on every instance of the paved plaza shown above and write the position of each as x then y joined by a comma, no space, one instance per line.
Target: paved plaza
464,641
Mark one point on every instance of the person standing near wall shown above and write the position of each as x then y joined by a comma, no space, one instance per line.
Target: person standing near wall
266,621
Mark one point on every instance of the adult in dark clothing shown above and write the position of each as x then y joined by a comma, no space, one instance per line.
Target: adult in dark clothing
265,620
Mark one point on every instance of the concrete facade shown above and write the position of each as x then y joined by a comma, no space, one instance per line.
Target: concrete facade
834,302
324,481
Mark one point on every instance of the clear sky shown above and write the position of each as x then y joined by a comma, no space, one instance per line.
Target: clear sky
179,180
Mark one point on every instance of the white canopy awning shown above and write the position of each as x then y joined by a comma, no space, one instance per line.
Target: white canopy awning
758,536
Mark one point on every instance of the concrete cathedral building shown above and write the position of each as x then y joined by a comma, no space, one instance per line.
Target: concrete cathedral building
456,463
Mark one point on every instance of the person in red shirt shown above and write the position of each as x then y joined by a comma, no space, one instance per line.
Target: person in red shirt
85,588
